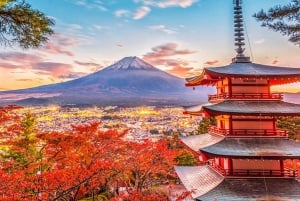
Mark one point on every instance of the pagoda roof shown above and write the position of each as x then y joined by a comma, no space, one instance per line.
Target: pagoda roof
264,108
207,185
198,179
255,148
246,70
197,142
195,109
254,189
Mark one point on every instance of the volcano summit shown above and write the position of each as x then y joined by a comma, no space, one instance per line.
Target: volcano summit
129,81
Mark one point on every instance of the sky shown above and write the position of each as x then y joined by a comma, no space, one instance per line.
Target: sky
178,36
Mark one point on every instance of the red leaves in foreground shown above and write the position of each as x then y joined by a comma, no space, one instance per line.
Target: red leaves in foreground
141,196
82,163
148,195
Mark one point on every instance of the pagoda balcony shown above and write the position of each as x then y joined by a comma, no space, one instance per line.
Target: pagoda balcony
261,173
248,132
246,96
287,173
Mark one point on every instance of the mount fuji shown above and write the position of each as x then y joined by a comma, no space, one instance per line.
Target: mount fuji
130,81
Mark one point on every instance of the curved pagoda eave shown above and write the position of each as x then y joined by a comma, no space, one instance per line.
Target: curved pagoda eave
254,189
192,179
254,149
247,108
276,75
197,142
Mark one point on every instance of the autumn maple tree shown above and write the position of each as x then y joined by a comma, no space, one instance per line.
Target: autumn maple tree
86,163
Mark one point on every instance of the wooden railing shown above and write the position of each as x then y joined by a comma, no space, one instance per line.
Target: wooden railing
248,132
247,96
261,173
255,172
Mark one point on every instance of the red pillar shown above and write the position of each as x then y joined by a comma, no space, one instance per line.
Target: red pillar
229,87
281,167
230,125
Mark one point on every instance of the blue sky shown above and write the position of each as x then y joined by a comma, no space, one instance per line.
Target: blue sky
179,36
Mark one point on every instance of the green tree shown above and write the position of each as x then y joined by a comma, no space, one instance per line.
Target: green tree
204,124
185,158
174,141
23,149
284,19
292,124
22,25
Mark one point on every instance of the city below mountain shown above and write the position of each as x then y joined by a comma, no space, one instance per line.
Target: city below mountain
130,81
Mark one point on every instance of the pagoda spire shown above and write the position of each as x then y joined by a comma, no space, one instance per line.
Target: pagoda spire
239,33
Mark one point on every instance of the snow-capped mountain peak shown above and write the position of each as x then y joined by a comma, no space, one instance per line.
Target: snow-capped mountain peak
131,63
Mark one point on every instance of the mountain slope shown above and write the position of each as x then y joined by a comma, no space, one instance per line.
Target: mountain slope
129,80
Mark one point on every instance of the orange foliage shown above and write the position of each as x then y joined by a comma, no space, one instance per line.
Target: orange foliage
81,163
293,164
141,196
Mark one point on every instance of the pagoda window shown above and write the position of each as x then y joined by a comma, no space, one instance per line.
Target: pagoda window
223,121
222,86
217,162
226,164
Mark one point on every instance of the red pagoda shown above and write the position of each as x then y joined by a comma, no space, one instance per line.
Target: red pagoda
245,153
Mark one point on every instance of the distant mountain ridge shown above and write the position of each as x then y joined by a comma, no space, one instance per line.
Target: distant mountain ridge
128,81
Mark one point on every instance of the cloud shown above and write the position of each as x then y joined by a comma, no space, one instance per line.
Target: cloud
67,41
75,26
25,80
178,67
259,41
211,62
8,66
163,56
19,58
92,65
3,89
98,27
119,45
166,50
56,49
122,13
73,75
95,4
52,68
162,28
17,72
141,12
80,2
58,45
168,3
180,71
